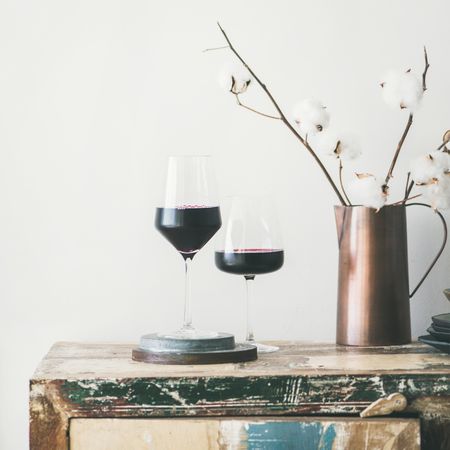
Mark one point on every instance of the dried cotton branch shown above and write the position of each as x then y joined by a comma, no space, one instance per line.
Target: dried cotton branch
408,124
401,89
284,118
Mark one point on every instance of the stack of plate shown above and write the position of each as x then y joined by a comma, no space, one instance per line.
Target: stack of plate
439,330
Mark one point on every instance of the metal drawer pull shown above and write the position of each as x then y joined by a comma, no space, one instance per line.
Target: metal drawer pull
385,406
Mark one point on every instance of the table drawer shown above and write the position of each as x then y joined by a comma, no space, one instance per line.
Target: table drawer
264,433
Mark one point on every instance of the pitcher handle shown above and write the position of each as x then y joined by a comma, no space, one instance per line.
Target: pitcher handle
444,223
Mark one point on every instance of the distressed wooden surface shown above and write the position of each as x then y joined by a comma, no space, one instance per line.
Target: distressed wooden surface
250,433
101,380
83,361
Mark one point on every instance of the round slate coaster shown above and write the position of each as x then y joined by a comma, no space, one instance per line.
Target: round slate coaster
158,342
240,353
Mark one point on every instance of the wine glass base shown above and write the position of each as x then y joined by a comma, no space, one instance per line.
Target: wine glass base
189,333
263,348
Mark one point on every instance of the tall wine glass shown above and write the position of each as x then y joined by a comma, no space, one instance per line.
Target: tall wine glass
188,218
252,247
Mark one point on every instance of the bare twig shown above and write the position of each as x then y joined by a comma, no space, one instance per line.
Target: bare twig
427,65
341,167
399,147
254,110
215,48
408,177
410,188
284,119
409,123
406,200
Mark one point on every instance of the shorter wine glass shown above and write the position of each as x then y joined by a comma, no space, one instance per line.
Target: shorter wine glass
252,246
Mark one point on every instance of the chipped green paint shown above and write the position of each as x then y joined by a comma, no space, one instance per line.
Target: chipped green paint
270,392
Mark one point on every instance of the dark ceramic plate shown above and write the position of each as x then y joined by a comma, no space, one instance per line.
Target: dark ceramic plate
440,335
442,320
441,329
440,345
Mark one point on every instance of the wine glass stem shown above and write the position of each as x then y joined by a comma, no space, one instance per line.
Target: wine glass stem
248,287
187,322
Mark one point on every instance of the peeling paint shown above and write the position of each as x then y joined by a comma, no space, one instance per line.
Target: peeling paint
412,387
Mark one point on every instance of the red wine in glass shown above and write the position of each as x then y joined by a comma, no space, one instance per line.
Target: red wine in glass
250,262
188,228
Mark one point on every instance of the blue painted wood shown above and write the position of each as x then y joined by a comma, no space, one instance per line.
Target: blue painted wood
290,436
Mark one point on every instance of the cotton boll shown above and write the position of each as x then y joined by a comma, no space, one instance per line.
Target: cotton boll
442,159
234,78
368,191
344,146
438,192
430,166
239,85
402,89
326,142
412,91
311,116
423,169
349,149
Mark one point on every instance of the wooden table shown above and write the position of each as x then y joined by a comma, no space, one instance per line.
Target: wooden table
93,396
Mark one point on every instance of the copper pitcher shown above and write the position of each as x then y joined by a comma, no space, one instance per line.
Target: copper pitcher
373,289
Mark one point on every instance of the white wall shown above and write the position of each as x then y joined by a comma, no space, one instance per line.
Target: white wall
94,95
